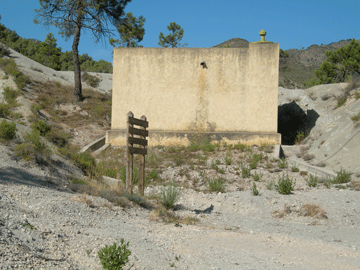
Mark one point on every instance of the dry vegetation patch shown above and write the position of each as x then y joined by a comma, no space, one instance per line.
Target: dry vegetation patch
307,210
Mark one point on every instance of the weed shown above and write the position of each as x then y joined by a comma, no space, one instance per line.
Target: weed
4,110
356,117
295,169
91,80
139,200
300,136
241,147
303,173
341,101
77,181
114,257
342,177
169,196
312,180
10,95
270,185
154,175
228,161
245,173
57,136
42,127
27,224
217,184
285,185
312,210
283,163
254,190
7,130
202,159
256,176
357,95
135,175
328,181
202,142
25,150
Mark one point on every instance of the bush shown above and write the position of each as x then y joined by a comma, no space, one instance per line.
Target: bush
10,68
285,185
254,190
114,257
169,196
312,181
135,175
4,110
283,163
90,79
10,95
60,138
217,184
356,117
7,130
295,169
245,173
202,142
342,177
341,101
42,127
256,176
26,151
35,140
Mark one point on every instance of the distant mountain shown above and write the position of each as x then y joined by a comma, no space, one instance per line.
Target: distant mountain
299,67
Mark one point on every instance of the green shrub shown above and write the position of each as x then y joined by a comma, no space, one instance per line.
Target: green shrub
10,95
256,176
35,140
240,146
10,68
7,130
91,80
228,161
114,257
4,51
201,142
153,174
312,180
341,101
245,173
217,184
4,110
342,177
285,185
169,196
138,199
60,138
355,117
26,151
283,163
42,127
295,169
357,95
254,190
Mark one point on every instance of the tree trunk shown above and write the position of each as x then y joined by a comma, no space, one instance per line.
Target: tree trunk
75,52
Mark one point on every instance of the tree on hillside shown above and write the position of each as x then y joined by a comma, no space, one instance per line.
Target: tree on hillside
131,31
173,39
49,53
340,65
73,16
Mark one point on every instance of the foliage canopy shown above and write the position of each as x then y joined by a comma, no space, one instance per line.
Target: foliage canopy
173,39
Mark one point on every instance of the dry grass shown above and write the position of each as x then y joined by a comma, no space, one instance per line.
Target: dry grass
168,216
355,185
283,212
83,198
312,210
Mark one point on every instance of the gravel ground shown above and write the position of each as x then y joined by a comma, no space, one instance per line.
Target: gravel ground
45,226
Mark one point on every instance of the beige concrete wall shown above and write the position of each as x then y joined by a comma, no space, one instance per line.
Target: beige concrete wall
237,92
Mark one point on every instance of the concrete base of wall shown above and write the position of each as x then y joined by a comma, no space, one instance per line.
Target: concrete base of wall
170,138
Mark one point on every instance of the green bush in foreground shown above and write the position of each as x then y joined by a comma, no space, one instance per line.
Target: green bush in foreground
114,257
169,196
42,127
7,130
285,185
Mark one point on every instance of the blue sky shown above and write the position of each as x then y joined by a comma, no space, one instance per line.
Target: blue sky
292,23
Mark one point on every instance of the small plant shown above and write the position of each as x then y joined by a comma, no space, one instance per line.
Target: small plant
42,127
356,117
254,190
270,185
357,95
240,146
10,95
4,110
285,185
303,173
169,196
90,79
328,181
25,151
217,184
228,161
202,142
283,163
312,180
342,177
153,174
138,199
7,130
295,169
300,136
341,101
27,224
114,257
245,173
256,176
35,140
135,175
